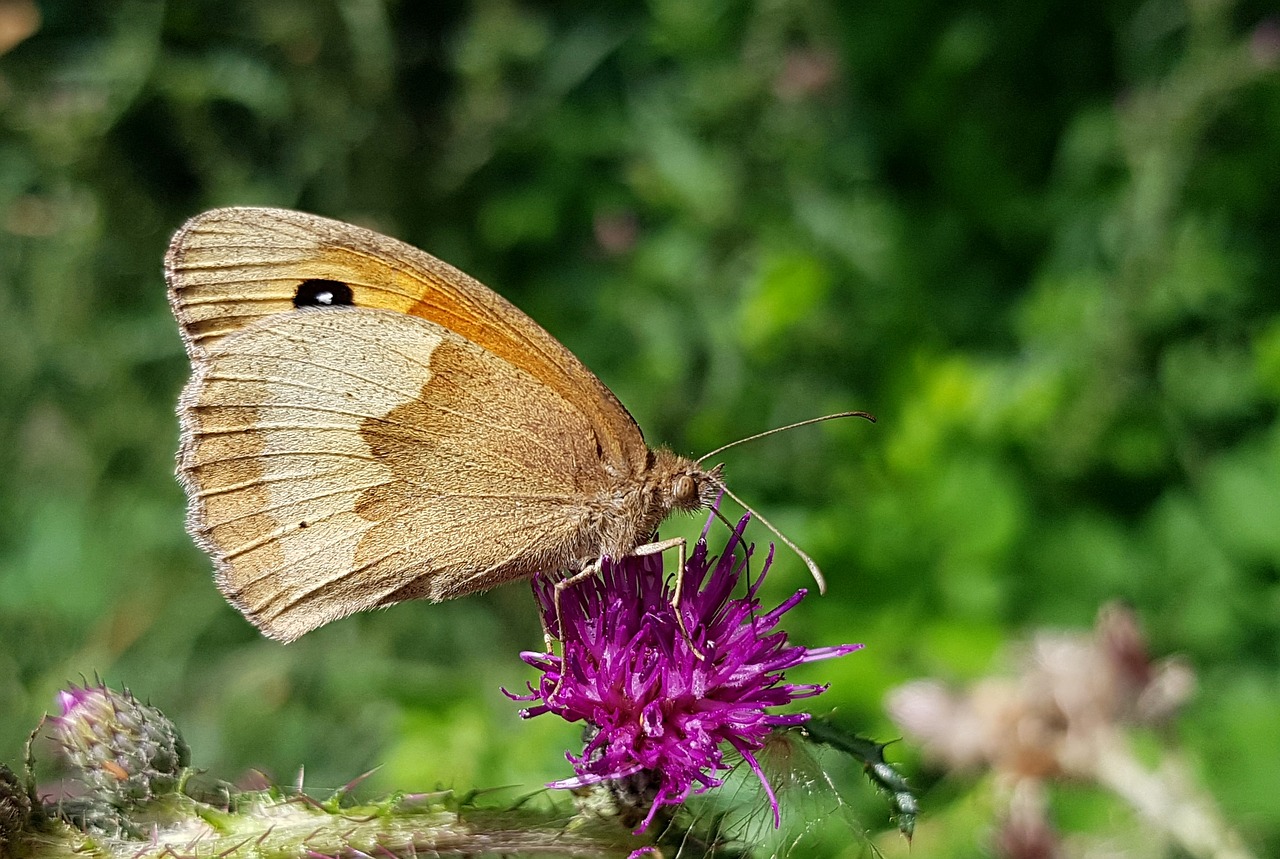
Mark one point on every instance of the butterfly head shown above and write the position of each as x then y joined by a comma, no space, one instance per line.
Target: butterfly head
685,485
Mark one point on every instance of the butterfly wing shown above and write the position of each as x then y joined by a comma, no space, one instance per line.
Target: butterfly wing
341,459
229,268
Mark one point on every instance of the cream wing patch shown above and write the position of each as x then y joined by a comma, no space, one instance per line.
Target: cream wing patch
345,458
273,459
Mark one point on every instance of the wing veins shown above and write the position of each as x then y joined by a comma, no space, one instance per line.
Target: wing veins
273,453
266,480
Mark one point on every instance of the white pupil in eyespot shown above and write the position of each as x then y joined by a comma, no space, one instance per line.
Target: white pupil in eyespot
324,297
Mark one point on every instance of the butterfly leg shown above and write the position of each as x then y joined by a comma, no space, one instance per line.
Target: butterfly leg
681,546
593,568
563,585
677,543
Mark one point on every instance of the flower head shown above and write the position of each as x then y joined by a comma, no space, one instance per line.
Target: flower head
663,688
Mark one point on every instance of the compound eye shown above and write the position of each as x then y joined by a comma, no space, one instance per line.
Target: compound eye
686,489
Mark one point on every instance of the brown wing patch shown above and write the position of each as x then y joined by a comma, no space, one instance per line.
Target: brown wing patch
491,447
543,449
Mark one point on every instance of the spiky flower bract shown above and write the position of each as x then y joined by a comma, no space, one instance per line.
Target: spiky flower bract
667,689
126,752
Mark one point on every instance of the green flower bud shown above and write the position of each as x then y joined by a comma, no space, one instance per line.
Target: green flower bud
125,752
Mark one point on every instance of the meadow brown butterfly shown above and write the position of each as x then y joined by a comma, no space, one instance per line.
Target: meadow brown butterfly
366,424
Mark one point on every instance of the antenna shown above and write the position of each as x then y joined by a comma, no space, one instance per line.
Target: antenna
804,556
722,448
813,568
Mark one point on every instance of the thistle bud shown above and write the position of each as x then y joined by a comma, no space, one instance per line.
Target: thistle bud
124,751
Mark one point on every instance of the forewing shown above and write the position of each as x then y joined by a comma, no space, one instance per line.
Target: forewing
340,459
229,268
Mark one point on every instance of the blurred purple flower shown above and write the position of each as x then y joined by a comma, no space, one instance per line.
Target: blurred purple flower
658,703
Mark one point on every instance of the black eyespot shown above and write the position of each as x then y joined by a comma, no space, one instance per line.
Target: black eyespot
322,293
302,524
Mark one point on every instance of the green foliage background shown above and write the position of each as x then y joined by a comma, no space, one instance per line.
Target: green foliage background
1037,240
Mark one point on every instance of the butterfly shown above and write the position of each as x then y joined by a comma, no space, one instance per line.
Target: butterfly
365,424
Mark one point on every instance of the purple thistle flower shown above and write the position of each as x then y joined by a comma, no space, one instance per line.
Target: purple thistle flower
657,702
